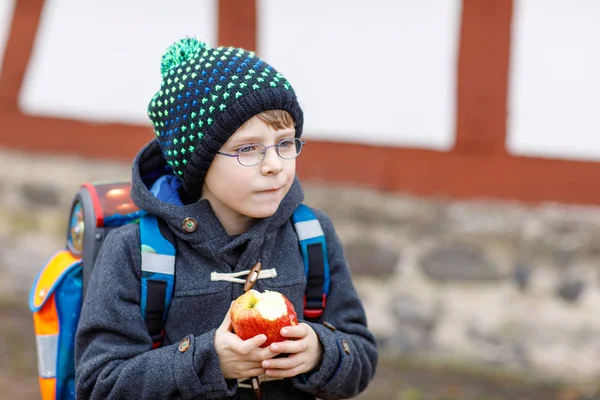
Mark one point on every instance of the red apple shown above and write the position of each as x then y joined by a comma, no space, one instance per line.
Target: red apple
254,313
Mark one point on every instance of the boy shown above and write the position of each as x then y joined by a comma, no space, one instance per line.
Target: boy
221,175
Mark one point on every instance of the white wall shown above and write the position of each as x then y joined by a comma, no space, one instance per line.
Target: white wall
376,71
100,60
554,92
6,14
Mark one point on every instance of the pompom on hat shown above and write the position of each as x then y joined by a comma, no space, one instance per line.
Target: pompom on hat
206,94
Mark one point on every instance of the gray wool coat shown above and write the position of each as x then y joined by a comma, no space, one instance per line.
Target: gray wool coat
113,350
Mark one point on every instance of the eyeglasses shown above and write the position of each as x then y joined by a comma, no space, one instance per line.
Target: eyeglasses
253,154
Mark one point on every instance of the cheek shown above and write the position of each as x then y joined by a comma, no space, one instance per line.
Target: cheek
228,180
290,171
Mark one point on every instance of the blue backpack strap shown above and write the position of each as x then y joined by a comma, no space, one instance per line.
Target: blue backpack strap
316,262
158,275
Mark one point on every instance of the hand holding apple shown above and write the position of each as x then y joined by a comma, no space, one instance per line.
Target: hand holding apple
304,349
239,358
255,313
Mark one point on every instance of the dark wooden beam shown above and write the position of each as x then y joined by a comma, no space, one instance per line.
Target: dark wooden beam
483,61
21,39
237,24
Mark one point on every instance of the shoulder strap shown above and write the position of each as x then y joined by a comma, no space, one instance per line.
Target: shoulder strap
316,263
158,273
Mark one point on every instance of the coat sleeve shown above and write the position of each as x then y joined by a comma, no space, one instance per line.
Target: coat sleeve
113,349
349,351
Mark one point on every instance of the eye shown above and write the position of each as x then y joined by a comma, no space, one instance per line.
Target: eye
250,148
286,143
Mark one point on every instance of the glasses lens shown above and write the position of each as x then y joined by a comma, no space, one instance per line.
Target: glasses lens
289,148
251,154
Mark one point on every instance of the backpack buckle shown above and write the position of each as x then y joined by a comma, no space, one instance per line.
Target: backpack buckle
157,340
314,309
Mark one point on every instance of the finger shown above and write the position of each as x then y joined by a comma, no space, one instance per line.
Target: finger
289,362
226,324
289,346
283,373
246,346
246,370
226,343
294,369
260,354
253,372
244,366
295,332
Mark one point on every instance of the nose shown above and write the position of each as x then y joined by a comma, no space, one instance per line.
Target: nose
272,163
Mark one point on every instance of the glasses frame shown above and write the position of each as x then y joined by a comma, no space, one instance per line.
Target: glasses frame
264,149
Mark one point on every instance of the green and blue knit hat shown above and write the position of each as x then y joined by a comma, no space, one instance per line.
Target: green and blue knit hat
206,94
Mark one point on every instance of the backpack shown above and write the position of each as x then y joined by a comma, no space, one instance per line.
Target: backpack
58,291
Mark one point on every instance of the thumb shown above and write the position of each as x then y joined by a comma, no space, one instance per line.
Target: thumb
226,324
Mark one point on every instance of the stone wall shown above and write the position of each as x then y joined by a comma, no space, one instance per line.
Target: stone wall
483,282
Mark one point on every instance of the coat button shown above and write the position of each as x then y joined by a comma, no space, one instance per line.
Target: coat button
252,277
184,345
329,326
189,225
345,346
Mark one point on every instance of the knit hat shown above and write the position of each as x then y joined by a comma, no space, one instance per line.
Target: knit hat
206,94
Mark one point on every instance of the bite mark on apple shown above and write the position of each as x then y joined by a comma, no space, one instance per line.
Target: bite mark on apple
271,306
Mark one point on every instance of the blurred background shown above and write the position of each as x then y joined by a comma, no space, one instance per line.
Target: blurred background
455,144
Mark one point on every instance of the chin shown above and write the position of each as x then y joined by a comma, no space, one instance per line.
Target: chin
263,211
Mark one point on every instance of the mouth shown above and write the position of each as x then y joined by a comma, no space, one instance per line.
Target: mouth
272,190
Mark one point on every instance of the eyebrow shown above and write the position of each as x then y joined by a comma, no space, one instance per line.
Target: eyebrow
256,139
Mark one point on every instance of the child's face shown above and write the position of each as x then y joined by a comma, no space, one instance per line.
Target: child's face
236,191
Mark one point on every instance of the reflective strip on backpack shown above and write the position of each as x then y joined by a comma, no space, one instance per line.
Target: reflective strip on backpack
308,229
313,247
47,352
158,263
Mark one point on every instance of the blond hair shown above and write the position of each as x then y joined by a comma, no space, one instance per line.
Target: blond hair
277,119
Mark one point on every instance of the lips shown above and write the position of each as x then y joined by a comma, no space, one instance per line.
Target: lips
273,190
